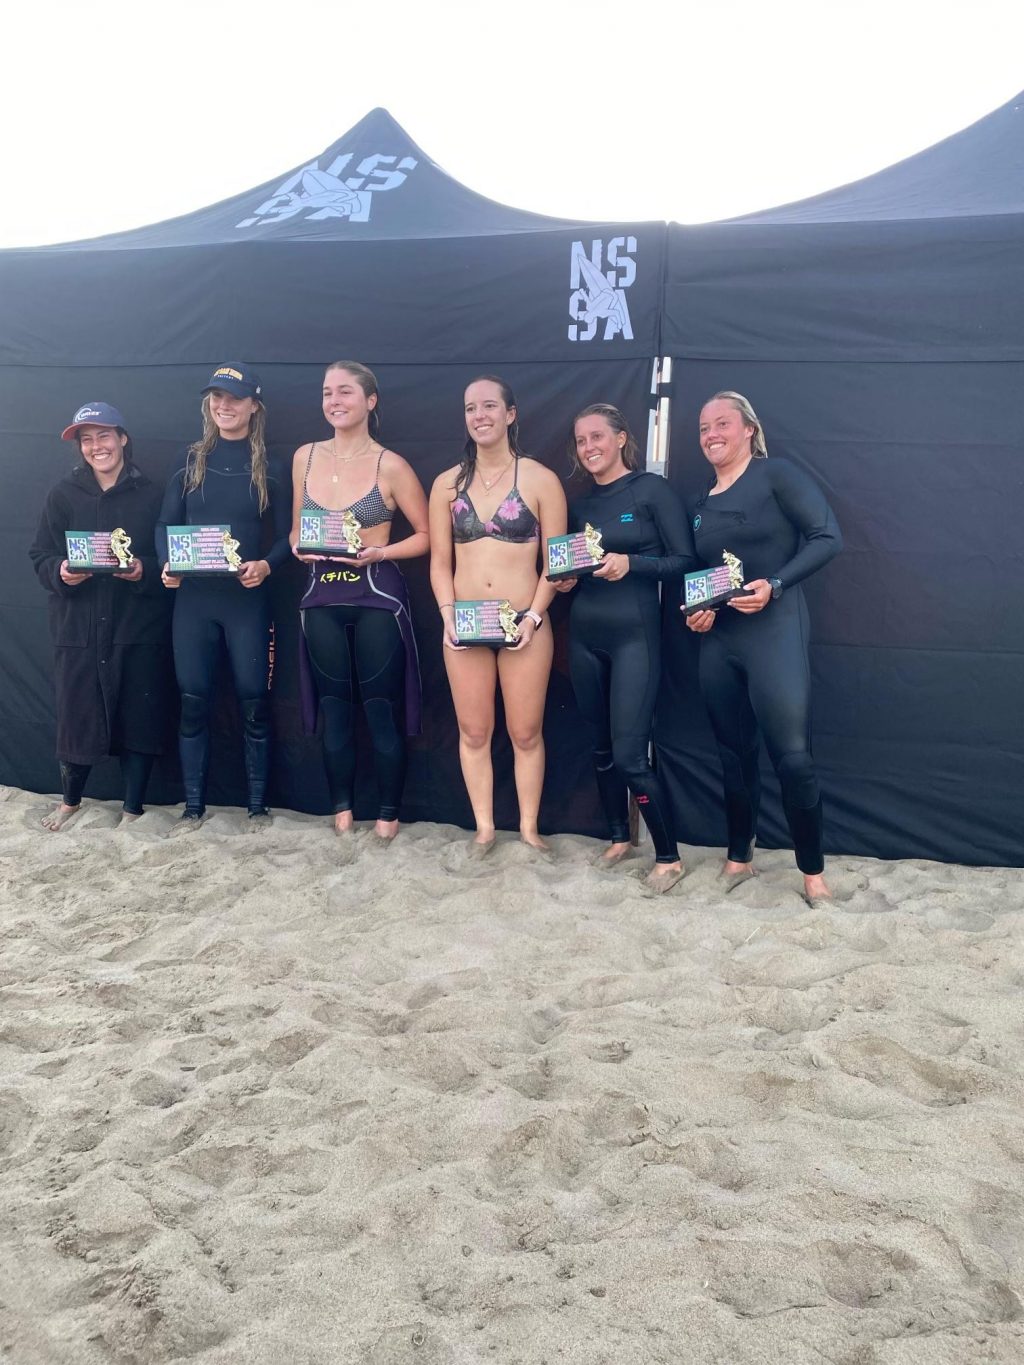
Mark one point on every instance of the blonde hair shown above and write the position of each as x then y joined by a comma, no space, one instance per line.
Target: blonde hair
198,452
758,445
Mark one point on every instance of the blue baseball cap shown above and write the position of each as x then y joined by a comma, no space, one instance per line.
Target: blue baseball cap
93,415
237,378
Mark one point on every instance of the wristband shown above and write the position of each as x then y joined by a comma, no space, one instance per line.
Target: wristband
534,616
442,606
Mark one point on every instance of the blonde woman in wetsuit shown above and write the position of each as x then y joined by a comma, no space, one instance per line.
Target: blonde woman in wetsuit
489,516
356,627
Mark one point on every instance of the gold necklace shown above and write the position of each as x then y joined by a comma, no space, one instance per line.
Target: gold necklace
489,483
345,459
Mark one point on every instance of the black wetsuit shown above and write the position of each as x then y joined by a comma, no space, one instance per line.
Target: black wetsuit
615,644
207,610
754,669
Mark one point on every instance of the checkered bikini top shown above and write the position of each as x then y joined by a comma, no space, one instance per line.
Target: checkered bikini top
370,510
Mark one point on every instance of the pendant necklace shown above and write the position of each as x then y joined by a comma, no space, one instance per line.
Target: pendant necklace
346,458
489,483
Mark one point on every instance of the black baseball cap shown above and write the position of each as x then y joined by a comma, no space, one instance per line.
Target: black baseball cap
237,378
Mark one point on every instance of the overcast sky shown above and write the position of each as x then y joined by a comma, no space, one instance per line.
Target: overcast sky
118,114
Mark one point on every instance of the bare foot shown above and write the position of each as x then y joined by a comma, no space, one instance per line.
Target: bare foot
733,874
482,843
385,830
59,817
663,877
816,891
533,840
128,816
343,822
187,823
613,854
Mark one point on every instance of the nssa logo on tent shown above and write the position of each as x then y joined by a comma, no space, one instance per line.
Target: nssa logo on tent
599,294
318,194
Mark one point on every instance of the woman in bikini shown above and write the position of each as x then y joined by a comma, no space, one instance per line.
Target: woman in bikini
488,516
356,628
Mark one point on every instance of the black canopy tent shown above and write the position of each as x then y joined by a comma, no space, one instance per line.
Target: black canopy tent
371,251
879,332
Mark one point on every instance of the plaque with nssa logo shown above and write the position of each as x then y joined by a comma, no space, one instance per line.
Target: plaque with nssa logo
99,551
710,588
195,551
490,623
329,533
574,556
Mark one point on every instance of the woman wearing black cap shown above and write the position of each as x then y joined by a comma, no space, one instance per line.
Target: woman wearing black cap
110,630
226,481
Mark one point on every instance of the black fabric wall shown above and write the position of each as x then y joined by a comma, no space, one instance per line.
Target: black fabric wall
422,411
918,627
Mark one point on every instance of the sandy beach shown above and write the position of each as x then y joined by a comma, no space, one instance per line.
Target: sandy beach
283,1098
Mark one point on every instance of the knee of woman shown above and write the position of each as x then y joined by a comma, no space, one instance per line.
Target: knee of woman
476,736
798,779
525,738
630,757
381,720
195,714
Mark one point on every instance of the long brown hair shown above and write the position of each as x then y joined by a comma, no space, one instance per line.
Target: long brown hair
467,465
618,423
198,452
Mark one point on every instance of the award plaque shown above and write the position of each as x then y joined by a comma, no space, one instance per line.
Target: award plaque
199,550
574,556
709,588
486,623
99,551
329,533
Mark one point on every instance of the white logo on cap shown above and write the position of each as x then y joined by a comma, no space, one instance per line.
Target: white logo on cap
318,194
82,413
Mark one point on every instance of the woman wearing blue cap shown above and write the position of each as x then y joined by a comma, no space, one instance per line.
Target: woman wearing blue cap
226,481
111,629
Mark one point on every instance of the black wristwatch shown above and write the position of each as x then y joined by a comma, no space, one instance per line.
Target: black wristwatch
776,586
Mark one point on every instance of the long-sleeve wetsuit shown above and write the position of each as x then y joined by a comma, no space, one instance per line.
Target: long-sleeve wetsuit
615,643
754,668
207,610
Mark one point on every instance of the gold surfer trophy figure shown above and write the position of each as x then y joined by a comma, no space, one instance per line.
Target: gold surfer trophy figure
594,547
508,623
735,568
350,528
121,547
231,552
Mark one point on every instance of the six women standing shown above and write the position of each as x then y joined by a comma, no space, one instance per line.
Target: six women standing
488,517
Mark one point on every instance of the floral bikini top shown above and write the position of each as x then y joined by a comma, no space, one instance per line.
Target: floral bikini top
513,522
370,510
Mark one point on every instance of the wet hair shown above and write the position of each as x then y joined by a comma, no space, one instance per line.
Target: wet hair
126,448
618,423
199,451
367,381
467,465
758,445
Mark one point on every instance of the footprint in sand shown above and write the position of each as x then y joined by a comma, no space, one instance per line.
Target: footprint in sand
963,919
